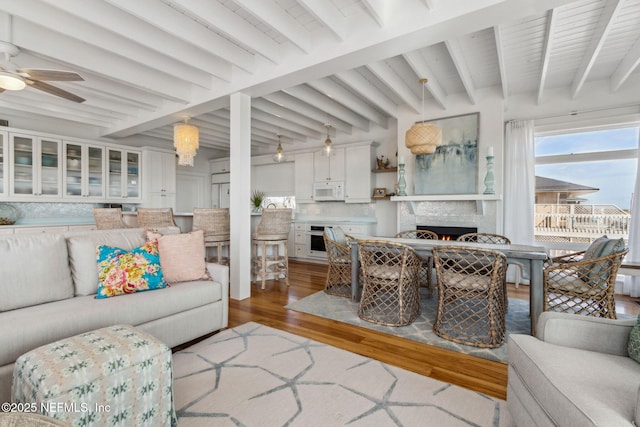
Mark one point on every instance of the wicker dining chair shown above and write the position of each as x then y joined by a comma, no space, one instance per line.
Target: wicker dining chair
578,284
108,218
390,274
155,218
426,270
339,257
471,301
272,233
494,239
214,222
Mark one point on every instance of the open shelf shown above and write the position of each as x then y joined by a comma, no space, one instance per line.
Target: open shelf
394,169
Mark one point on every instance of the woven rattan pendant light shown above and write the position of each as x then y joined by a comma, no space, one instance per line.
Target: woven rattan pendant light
423,138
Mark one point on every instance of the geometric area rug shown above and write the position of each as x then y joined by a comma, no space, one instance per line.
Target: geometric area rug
255,375
421,330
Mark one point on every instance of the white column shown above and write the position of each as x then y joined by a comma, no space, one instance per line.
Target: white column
240,221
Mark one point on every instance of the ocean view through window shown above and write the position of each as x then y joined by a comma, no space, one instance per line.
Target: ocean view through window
584,185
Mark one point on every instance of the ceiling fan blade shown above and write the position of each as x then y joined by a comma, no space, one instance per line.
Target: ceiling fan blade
46,87
51,75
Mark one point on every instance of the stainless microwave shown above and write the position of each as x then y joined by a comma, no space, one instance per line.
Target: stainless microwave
328,191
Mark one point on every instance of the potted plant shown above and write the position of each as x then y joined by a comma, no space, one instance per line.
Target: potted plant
257,197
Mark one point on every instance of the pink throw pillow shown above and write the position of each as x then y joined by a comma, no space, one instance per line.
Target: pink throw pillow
181,255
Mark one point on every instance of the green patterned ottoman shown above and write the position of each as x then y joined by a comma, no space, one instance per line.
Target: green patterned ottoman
117,375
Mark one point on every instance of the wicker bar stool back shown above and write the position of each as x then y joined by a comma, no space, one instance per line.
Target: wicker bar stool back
494,239
214,223
426,270
108,218
272,233
156,218
390,273
471,301
339,273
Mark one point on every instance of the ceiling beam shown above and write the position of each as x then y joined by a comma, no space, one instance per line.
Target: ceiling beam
51,110
285,113
313,97
236,28
395,84
626,67
338,93
455,51
328,14
284,123
419,65
497,34
280,21
552,17
269,127
172,21
377,9
358,83
598,37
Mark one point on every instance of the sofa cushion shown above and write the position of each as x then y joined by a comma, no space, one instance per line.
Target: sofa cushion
35,270
576,387
125,272
50,322
82,254
181,255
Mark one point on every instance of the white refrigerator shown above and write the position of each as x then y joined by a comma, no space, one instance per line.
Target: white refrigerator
220,195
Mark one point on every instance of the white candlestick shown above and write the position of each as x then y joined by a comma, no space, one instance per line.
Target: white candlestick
490,151
402,160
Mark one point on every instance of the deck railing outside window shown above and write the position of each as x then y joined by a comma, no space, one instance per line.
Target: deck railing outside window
580,223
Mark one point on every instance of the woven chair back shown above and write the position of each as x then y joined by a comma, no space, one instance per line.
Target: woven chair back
274,223
494,239
155,217
471,295
417,234
108,218
212,221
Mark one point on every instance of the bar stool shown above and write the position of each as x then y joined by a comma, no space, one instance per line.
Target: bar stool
156,218
215,225
108,218
272,231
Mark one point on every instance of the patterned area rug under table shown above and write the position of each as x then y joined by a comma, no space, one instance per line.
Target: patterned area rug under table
421,330
254,375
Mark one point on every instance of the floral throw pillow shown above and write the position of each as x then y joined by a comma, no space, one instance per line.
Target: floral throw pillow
124,272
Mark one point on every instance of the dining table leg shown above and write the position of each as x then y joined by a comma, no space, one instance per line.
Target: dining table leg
535,291
355,268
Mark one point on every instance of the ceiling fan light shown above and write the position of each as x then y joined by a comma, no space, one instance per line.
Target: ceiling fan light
11,82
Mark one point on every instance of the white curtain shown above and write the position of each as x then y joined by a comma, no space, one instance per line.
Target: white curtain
519,182
632,283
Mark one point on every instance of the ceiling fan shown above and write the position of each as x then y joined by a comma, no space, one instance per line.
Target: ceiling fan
14,78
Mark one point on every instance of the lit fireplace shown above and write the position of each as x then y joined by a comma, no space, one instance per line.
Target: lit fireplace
448,233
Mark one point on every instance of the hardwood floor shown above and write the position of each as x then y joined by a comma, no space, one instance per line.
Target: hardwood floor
267,307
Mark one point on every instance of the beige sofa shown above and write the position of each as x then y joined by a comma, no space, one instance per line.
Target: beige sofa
48,284
576,372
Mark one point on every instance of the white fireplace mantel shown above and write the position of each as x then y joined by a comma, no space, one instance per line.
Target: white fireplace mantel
445,197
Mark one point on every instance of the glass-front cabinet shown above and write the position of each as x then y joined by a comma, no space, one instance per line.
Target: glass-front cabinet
36,166
123,172
4,165
84,170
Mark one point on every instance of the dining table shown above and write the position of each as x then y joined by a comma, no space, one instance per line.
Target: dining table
529,258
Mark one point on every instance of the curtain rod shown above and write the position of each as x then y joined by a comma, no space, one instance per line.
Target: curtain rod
576,112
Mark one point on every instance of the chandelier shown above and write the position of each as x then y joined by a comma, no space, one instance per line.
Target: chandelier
185,141
423,138
279,157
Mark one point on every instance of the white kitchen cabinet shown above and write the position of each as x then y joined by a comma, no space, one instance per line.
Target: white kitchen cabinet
4,164
357,184
123,175
329,168
219,165
36,169
83,167
159,169
303,172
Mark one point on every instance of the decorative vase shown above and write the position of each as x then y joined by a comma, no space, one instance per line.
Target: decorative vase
489,179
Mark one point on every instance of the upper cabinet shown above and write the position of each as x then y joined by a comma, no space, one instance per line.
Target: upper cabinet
159,179
329,168
36,168
123,175
4,164
357,186
84,175
303,172
219,165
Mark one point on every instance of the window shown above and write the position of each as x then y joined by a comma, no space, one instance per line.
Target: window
584,186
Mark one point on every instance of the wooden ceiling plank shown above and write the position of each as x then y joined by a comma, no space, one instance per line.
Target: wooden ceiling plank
455,51
329,15
285,113
358,83
338,93
598,38
376,9
552,18
626,67
172,21
395,84
497,34
419,66
279,20
285,123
